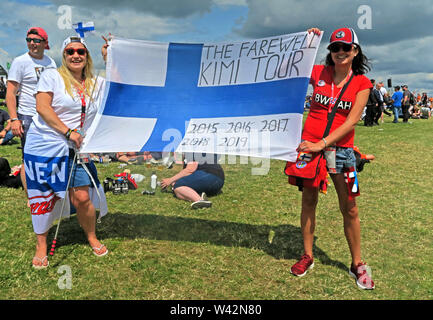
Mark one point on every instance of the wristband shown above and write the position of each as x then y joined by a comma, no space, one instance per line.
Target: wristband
13,119
324,141
68,133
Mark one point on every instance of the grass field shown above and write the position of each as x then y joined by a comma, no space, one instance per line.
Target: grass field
243,247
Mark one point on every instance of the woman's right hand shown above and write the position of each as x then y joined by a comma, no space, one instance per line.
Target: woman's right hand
314,30
17,128
76,138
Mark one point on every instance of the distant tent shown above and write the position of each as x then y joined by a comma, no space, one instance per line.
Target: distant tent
5,62
3,72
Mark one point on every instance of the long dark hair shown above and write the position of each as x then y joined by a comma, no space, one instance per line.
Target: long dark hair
360,64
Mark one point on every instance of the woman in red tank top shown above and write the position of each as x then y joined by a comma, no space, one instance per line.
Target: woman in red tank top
344,58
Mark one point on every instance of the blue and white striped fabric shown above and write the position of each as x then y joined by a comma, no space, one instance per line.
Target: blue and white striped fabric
240,98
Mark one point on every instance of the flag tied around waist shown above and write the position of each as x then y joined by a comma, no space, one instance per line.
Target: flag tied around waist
236,98
46,163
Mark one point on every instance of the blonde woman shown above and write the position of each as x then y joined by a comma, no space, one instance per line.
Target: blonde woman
67,101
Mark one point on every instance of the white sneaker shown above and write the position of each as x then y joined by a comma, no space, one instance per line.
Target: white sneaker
204,196
201,204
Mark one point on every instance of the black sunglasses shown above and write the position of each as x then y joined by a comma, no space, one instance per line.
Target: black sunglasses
71,51
335,47
34,40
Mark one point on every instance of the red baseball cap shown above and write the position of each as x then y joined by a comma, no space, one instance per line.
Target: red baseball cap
345,35
40,32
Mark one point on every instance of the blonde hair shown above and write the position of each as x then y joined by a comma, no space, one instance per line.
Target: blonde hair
71,82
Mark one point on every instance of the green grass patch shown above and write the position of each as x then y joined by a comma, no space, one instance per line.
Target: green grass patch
242,247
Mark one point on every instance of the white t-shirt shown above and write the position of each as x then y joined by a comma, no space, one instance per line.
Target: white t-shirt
68,109
27,70
383,91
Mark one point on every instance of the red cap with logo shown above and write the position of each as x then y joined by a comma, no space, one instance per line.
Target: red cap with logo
41,32
345,35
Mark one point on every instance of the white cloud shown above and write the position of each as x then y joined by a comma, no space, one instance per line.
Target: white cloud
126,23
230,2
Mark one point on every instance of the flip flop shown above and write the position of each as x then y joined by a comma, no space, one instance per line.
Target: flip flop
99,249
42,266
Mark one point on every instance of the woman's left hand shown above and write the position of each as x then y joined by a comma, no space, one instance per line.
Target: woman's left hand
105,46
314,30
308,146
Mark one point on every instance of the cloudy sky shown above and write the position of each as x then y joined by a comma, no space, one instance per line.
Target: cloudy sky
395,35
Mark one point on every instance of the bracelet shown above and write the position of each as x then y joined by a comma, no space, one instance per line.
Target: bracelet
14,119
68,133
324,140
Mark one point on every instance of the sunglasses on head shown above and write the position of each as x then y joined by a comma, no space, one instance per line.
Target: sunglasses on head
71,51
35,40
337,46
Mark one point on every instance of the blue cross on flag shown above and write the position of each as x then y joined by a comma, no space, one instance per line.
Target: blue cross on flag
241,98
82,28
305,156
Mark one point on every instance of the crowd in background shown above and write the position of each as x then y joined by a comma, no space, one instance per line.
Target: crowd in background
405,104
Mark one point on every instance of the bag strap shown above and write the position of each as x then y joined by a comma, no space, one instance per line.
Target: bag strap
331,115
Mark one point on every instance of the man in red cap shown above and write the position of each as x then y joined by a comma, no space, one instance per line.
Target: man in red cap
23,77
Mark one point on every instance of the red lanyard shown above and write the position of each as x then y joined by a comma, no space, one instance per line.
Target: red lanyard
334,98
82,95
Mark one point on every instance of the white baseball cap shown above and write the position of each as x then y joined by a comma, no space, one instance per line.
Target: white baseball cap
69,40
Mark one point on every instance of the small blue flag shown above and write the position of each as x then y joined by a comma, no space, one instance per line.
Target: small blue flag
82,28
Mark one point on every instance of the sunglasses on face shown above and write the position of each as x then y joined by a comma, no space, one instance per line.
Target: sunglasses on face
80,51
34,40
337,46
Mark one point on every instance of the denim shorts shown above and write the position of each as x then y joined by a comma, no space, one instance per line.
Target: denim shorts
8,137
201,181
344,158
79,176
26,121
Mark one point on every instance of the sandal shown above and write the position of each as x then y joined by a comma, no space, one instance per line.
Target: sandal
41,266
99,249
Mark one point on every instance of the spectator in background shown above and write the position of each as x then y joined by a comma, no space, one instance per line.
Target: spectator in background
133,157
386,99
371,107
201,176
307,103
396,102
405,103
425,112
424,99
2,89
416,112
23,77
378,114
6,134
